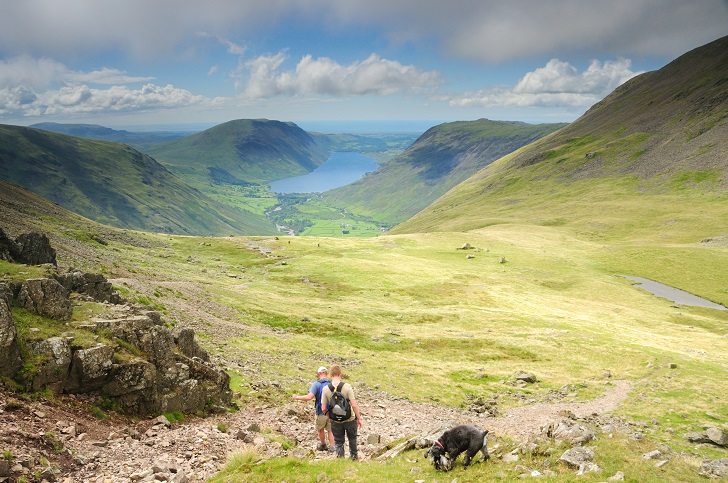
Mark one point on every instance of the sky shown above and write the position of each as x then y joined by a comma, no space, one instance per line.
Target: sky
145,64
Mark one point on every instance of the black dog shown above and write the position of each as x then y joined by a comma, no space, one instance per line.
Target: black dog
448,447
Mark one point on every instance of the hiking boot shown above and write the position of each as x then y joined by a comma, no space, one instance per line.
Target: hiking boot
332,449
354,457
322,447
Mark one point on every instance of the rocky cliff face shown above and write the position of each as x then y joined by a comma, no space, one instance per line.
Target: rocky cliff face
127,355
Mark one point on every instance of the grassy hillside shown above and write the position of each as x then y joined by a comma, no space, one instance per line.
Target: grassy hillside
650,161
411,315
441,158
240,153
114,184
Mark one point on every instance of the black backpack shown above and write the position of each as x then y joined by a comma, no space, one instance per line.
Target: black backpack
339,406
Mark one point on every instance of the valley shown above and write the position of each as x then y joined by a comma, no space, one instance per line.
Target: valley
496,294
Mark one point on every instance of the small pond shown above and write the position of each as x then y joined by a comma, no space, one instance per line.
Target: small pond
671,293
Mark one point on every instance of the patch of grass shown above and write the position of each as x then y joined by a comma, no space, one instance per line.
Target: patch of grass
98,413
174,416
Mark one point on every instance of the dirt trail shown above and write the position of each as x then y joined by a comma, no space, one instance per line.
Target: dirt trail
521,422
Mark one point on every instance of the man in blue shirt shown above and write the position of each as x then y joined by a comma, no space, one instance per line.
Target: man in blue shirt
322,422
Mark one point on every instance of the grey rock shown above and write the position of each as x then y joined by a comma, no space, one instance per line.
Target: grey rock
35,249
135,375
698,437
714,468
185,340
618,476
570,431
652,455
717,436
10,360
94,285
588,467
53,371
90,368
46,297
9,249
525,377
576,457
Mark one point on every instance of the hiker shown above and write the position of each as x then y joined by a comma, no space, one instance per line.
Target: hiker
344,423
321,421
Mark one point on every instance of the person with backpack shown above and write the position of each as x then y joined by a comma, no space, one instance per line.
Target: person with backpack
321,421
339,404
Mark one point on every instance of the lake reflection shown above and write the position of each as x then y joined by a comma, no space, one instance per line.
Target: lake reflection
340,169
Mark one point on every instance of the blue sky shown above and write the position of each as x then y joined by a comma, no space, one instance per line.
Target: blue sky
142,63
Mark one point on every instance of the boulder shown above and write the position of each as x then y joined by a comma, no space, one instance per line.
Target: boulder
714,468
35,249
525,377
185,340
90,368
46,297
9,250
698,437
55,352
570,431
580,458
717,436
10,360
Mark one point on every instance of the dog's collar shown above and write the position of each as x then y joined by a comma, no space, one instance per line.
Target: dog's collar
440,444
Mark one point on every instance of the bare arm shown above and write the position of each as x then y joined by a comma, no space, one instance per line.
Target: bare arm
355,408
307,397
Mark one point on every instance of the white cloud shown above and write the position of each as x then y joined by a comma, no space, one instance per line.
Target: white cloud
557,84
105,76
78,98
324,76
43,72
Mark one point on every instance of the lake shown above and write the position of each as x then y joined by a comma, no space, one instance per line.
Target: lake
674,294
340,169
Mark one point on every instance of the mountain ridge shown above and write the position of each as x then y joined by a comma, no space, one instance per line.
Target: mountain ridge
113,183
241,151
663,132
438,160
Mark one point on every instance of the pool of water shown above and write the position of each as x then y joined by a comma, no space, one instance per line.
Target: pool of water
671,293
340,169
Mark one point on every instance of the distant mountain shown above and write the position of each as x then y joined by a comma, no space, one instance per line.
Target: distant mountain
241,152
651,156
114,184
94,131
441,158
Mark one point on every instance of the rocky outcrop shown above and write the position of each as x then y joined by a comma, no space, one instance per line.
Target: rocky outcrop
9,353
8,248
53,372
35,249
185,340
716,436
92,284
46,297
569,431
29,248
136,360
714,468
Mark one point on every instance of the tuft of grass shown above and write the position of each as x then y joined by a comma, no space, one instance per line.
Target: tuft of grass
174,416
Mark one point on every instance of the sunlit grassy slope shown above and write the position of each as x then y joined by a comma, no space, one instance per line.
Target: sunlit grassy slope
552,232
412,315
